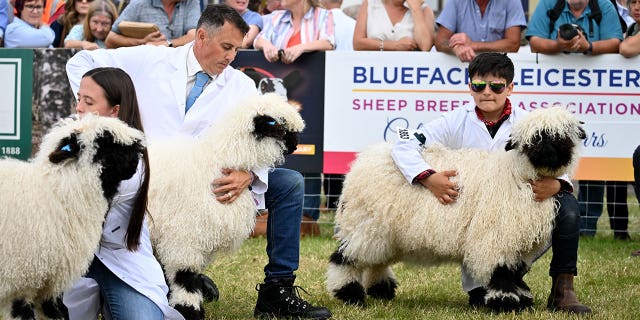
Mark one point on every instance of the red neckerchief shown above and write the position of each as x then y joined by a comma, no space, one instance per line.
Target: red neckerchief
505,112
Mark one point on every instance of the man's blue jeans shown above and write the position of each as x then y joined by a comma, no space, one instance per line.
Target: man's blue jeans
121,301
284,199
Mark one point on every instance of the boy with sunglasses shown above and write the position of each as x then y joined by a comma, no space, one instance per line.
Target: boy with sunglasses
487,125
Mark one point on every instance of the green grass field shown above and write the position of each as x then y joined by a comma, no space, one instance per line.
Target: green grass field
608,281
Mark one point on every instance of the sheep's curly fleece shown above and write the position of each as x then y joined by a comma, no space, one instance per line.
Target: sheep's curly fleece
51,215
382,219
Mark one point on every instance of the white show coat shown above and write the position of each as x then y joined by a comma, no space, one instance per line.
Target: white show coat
139,269
457,129
160,76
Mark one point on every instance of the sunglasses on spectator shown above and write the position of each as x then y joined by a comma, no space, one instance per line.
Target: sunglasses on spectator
479,85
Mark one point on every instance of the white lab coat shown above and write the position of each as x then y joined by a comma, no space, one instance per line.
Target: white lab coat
139,269
160,76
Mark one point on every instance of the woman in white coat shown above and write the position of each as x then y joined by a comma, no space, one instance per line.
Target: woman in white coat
124,274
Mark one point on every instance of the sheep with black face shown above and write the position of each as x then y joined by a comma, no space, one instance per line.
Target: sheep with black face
189,225
53,208
495,228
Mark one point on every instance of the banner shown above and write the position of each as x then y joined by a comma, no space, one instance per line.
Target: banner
301,82
370,94
16,78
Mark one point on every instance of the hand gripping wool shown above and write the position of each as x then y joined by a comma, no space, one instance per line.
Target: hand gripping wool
53,208
495,229
189,225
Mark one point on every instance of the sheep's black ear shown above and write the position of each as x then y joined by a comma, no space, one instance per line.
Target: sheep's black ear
67,148
266,126
510,145
581,133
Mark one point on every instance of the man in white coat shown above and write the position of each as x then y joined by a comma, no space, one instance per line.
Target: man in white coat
163,77
487,126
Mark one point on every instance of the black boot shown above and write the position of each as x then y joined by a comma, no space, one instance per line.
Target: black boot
280,299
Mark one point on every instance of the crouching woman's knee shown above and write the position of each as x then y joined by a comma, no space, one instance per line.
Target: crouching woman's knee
286,182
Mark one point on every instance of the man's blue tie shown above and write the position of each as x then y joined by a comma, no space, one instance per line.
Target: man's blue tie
198,86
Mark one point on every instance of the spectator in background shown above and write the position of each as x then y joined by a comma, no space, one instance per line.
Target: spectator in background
252,18
389,25
27,30
344,25
52,10
91,34
623,11
467,27
75,11
176,20
590,202
4,18
604,37
630,47
302,26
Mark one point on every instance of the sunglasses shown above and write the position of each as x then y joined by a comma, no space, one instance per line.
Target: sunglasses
479,85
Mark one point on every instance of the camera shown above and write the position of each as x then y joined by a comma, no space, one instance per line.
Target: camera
569,30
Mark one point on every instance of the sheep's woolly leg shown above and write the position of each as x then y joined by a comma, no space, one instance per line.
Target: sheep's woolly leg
186,294
344,279
21,310
507,290
380,282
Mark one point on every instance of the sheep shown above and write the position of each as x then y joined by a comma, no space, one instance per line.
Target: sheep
53,208
190,226
495,229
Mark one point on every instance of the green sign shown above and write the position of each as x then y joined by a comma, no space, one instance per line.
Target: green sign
16,81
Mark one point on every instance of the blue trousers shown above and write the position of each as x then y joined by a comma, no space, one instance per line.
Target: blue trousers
636,172
284,199
565,236
312,189
121,301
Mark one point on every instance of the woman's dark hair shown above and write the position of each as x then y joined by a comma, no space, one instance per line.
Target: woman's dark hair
68,19
19,6
214,16
492,63
119,89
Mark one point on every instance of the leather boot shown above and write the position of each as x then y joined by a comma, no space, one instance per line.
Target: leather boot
563,298
260,229
280,299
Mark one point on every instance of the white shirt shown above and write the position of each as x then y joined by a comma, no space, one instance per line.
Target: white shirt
345,26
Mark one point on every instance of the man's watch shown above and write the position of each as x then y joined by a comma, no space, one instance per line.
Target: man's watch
589,49
169,44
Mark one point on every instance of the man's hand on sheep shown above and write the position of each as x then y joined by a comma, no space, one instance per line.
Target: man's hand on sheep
228,188
439,184
545,188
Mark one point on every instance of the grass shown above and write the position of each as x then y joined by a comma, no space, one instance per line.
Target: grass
608,281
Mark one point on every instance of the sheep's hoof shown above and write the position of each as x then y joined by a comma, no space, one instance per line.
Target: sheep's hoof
20,309
189,312
209,289
501,301
352,293
385,289
476,297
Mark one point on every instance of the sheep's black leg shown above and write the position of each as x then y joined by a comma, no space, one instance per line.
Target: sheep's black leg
21,309
53,308
343,280
381,282
507,291
192,283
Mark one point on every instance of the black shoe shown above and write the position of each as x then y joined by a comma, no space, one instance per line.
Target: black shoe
280,299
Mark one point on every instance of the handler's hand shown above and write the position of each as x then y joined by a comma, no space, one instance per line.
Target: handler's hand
545,188
441,187
228,188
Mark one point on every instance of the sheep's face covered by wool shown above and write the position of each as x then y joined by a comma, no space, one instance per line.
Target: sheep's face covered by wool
106,142
549,139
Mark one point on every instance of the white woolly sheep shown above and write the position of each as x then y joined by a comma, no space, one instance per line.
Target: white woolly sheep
189,225
53,208
495,228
